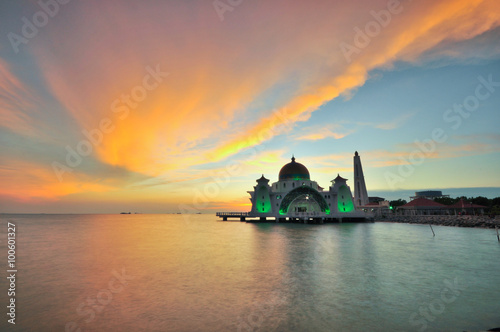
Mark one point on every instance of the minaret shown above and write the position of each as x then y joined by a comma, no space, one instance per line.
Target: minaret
360,194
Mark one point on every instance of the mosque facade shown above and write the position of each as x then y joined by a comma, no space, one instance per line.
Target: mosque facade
295,196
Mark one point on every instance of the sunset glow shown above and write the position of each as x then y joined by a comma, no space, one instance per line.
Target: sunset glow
155,106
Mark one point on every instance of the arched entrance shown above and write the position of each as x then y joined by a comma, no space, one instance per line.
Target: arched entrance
303,199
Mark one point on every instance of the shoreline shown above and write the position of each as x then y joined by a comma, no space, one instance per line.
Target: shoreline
446,220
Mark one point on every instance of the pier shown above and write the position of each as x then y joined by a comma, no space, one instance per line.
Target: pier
303,218
225,215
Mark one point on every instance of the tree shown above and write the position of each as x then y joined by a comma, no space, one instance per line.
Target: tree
495,210
495,201
480,200
446,200
399,202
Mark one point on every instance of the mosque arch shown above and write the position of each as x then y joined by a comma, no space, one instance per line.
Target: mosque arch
301,191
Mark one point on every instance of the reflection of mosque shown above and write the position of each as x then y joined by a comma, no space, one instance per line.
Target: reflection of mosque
295,197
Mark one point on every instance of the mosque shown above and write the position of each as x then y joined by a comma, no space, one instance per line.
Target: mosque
297,198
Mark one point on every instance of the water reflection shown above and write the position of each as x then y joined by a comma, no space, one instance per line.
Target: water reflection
199,274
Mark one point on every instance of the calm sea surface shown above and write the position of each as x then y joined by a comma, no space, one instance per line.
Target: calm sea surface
195,273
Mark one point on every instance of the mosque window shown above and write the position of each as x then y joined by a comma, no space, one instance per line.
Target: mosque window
284,185
293,185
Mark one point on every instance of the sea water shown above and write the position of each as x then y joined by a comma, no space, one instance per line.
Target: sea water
195,273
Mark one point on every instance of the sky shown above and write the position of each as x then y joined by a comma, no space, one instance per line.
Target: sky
179,106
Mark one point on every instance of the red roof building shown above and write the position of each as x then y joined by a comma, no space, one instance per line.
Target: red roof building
465,207
462,204
422,206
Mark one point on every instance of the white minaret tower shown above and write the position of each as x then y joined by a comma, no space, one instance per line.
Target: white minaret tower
360,194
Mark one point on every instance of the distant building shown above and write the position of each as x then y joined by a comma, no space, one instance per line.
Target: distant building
375,199
465,207
429,194
422,206
378,208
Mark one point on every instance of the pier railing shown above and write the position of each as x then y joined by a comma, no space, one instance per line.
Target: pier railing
307,214
232,214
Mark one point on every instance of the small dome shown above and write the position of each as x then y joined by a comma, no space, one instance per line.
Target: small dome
294,171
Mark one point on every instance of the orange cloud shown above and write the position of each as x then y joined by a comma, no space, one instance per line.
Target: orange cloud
203,99
319,133
214,102
422,26
397,122
17,101
27,182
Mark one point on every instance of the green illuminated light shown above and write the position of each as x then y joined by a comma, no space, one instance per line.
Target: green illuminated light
263,201
344,204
